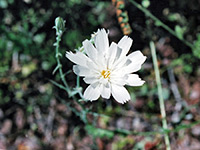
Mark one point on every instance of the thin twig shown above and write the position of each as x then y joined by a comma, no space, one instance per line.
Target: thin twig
58,85
160,94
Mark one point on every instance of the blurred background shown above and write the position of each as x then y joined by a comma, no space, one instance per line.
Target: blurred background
35,114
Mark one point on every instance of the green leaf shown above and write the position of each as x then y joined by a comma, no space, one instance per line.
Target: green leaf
179,31
145,3
158,23
196,47
187,68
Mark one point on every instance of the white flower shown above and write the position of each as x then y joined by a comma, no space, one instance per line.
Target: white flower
107,68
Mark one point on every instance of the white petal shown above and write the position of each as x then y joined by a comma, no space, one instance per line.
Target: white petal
81,71
92,93
77,58
102,80
120,93
134,80
133,67
101,41
101,62
125,43
121,62
105,91
111,54
90,49
114,55
118,54
118,81
90,80
119,73
137,57
93,66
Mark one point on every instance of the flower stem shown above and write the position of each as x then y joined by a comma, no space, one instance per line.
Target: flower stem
161,100
158,22
58,54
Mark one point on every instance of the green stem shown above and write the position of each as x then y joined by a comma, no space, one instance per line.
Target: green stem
160,23
77,81
161,100
58,39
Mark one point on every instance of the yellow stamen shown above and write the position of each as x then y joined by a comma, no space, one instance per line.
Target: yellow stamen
105,73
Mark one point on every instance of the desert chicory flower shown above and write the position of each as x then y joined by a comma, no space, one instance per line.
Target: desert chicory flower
107,68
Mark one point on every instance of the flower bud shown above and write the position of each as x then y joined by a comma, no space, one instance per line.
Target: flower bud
59,25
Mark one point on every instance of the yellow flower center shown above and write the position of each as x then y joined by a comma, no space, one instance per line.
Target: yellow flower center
105,73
